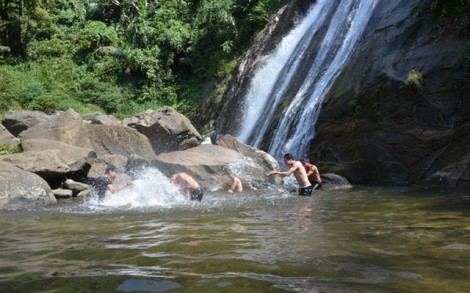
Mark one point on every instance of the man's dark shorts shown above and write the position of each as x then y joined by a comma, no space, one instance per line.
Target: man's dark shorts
197,194
316,184
306,191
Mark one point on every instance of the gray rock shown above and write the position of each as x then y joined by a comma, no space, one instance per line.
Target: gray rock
49,158
100,118
17,122
62,193
98,167
119,140
333,181
166,129
6,138
75,186
67,127
21,190
263,159
208,164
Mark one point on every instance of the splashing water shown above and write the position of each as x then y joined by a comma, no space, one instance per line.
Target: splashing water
150,189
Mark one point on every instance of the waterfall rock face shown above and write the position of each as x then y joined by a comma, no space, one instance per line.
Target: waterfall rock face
399,113
230,112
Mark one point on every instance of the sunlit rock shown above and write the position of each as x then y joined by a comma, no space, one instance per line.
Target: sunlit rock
100,118
166,129
50,158
6,138
67,127
209,165
20,189
17,122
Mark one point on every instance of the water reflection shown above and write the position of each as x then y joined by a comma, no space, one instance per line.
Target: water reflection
147,286
360,240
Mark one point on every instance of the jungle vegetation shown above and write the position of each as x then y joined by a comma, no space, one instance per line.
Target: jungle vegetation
120,56
124,56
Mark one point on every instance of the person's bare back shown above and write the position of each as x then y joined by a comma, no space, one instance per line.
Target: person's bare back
188,185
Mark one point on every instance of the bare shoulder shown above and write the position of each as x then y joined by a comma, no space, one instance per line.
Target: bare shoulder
297,165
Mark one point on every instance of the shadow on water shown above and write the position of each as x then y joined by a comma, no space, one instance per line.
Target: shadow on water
366,239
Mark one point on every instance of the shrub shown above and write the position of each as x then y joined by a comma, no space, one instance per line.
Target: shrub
7,149
414,79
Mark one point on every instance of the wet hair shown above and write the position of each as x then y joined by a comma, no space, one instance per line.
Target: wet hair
306,160
288,157
110,168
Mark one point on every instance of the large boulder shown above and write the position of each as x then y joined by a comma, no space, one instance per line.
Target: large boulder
100,118
261,158
6,138
17,122
166,129
119,140
67,127
208,164
20,189
399,112
50,158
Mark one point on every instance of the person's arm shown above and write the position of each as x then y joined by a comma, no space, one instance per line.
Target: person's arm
115,189
284,173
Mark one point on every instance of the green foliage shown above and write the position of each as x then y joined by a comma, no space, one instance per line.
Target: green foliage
452,16
414,79
121,56
92,90
96,34
49,48
7,149
356,108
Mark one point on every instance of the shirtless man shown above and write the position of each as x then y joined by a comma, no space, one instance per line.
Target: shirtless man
188,185
312,173
296,168
237,184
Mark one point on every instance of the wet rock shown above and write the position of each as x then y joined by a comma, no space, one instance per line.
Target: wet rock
208,164
76,187
333,181
62,193
263,159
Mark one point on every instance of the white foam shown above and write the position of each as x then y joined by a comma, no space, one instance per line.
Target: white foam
150,189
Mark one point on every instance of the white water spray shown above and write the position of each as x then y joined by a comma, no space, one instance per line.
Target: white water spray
150,189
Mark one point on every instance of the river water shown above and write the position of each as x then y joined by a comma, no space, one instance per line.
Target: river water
365,239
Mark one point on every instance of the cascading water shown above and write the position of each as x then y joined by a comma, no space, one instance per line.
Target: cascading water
300,73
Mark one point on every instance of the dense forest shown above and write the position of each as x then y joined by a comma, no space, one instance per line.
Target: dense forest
120,56
124,56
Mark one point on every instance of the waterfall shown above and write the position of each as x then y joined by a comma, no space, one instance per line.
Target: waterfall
299,74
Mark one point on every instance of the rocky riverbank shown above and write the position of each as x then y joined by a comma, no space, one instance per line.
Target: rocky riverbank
62,154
